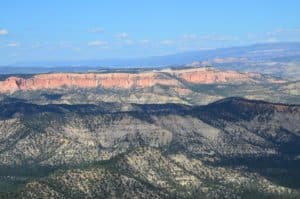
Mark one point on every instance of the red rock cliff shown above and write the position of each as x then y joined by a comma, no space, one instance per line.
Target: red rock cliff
121,80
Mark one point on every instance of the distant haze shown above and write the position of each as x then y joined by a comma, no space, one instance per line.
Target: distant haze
265,52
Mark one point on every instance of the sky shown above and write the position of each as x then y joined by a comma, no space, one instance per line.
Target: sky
59,30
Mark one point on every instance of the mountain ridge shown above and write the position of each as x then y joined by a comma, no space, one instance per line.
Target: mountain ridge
227,149
128,80
177,58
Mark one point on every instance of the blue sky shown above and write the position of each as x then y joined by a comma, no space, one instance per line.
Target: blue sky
54,30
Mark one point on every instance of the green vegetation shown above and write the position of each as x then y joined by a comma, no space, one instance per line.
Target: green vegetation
220,150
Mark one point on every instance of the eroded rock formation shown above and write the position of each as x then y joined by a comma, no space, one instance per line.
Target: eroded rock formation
123,80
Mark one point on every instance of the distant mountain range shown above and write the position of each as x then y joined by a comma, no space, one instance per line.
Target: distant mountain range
255,53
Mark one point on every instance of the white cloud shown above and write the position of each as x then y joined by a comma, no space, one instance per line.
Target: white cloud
190,37
271,40
63,44
283,31
76,49
96,30
13,44
144,41
124,39
70,46
278,35
122,35
167,42
3,32
129,42
98,43
215,37
36,45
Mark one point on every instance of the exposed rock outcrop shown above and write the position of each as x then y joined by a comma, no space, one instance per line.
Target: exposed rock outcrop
124,80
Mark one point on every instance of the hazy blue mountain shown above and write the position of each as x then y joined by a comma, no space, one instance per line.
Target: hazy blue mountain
266,51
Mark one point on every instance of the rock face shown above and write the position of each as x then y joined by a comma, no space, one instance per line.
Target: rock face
206,76
123,80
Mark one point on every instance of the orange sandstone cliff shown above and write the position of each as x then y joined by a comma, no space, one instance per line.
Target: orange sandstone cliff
123,80
210,76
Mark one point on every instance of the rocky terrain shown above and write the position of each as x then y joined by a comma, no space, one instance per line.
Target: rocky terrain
123,80
200,85
168,133
232,148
